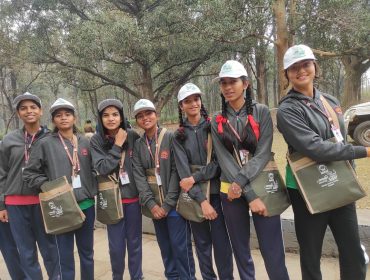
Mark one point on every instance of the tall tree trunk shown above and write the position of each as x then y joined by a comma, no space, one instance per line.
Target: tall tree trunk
281,43
261,80
13,83
354,69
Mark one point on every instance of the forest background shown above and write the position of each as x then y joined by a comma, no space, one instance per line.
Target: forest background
89,50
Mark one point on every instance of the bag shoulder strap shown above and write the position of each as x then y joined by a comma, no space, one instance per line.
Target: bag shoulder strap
330,110
209,148
160,137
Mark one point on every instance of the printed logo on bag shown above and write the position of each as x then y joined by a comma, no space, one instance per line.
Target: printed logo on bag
103,203
84,152
327,178
272,186
164,154
186,197
56,211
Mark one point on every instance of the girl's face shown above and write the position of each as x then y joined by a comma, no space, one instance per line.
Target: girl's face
191,105
233,88
64,119
29,112
301,74
111,118
147,120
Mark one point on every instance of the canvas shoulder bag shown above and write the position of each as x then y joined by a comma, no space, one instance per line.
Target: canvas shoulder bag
269,187
109,208
326,185
156,189
187,207
59,208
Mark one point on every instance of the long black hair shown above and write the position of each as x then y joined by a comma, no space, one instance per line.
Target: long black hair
248,137
180,133
103,131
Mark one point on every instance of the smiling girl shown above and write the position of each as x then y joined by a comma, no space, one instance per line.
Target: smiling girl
243,131
112,150
190,148
67,153
172,231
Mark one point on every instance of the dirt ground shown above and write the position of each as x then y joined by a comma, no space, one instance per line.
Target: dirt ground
279,147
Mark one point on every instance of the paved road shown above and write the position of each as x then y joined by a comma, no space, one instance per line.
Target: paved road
153,268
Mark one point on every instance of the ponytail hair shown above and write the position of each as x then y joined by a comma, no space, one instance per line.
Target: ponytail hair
180,133
250,133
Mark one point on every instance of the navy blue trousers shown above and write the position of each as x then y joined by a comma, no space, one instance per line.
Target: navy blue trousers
237,221
214,234
173,237
310,231
126,233
27,228
85,246
270,240
10,253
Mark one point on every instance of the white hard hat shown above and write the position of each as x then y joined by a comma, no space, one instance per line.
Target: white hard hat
143,105
61,103
232,69
187,90
297,53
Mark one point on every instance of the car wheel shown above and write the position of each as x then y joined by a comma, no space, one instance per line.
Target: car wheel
362,134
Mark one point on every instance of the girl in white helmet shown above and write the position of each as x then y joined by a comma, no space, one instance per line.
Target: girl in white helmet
158,184
305,125
191,151
243,130
67,153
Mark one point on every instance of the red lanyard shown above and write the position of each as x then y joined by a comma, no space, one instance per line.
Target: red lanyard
326,113
233,130
73,159
27,146
156,158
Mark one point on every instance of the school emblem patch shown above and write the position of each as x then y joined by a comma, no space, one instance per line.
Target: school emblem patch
84,152
164,154
338,110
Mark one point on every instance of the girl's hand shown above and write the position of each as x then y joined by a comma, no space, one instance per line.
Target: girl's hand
187,183
258,207
4,216
158,212
120,137
235,191
209,212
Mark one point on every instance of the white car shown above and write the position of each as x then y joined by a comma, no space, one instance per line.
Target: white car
357,121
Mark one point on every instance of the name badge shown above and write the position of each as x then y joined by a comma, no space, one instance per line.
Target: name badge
159,180
76,182
243,156
337,134
123,176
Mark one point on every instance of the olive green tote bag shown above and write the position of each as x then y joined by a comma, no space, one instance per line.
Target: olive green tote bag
270,188
109,206
187,207
59,208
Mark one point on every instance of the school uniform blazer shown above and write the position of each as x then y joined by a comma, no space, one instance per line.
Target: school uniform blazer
106,160
169,177
193,151
49,161
230,170
307,131
11,163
